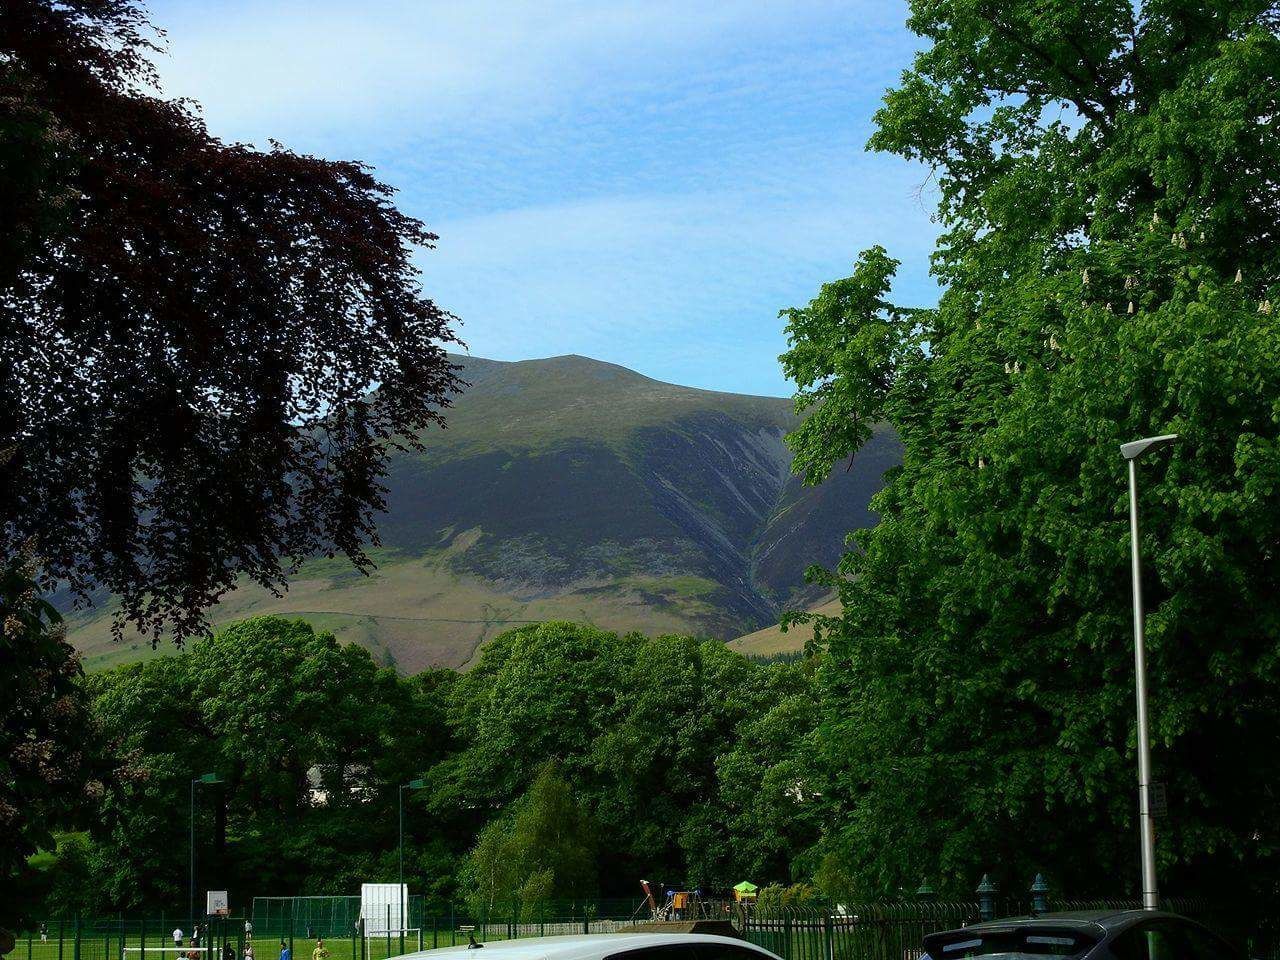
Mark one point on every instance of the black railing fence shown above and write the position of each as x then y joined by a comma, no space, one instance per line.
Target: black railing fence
813,930
896,930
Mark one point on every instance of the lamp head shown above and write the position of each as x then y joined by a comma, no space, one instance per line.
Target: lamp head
1136,448
416,784
208,778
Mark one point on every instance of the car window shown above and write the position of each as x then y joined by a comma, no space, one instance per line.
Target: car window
1170,940
725,951
671,951
691,951
993,944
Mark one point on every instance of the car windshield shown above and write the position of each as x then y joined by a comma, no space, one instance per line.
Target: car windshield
1013,944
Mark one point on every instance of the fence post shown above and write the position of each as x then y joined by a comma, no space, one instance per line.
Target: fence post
363,939
986,898
829,933
61,927
290,928
1039,895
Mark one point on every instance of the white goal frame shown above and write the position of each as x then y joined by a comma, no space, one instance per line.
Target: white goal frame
412,939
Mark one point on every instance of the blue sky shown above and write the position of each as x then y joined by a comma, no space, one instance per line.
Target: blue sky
643,182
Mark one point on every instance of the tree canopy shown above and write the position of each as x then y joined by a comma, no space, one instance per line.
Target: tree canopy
309,738
48,769
1107,185
208,350
568,762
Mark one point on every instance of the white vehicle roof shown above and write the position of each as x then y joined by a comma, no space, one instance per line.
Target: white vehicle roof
594,946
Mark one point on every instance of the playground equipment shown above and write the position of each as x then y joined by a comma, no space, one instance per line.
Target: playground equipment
677,905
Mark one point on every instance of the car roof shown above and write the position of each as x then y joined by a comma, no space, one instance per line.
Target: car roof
578,947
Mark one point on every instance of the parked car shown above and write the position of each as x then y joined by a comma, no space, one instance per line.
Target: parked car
1087,935
606,946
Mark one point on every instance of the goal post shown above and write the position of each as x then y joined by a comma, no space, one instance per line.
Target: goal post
329,917
388,942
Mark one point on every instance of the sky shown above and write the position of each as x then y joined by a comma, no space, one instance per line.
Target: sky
647,183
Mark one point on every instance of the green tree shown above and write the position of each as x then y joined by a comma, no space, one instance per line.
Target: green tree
772,811
1107,180
47,776
649,734
680,716
150,724
311,738
543,846
536,693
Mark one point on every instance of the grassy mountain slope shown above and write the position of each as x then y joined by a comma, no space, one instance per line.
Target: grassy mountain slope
770,640
571,488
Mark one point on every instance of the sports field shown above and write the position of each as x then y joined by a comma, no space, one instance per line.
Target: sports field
60,941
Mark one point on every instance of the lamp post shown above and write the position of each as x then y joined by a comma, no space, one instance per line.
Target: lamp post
207,778
1131,452
411,785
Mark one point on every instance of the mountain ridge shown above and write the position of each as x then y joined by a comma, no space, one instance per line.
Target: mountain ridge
571,488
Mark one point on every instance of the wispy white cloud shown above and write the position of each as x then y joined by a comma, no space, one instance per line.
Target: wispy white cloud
648,182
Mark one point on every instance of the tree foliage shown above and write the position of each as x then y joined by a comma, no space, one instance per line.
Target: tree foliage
649,732
47,771
1107,185
208,351
543,845
568,762
309,737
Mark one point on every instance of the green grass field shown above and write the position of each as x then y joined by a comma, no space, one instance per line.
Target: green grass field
60,942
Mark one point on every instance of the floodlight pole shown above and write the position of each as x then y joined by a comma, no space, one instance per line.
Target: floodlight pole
411,785
1146,826
191,850
191,855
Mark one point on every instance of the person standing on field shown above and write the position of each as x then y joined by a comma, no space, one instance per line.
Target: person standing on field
177,936
319,953
285,952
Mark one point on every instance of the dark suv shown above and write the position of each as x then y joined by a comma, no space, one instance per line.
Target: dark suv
1087,935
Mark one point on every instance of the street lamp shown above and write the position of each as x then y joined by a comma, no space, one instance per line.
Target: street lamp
411,785
207,778
1131,452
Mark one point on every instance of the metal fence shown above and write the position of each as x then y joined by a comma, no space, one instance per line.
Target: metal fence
808,931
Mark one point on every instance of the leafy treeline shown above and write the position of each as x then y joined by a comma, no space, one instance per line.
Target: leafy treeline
1107,176
569,761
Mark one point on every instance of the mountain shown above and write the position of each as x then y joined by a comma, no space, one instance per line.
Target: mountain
571,488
